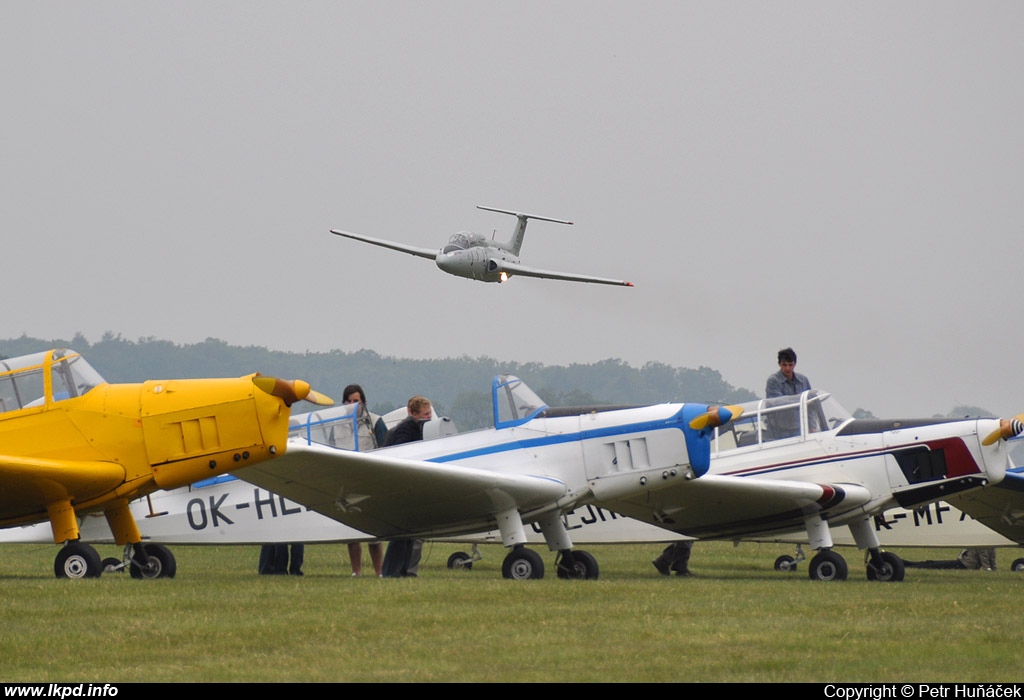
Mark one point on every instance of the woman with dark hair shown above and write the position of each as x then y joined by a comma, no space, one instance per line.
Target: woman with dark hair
370,431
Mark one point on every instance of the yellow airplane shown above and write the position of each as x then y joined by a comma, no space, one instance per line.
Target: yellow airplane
71,444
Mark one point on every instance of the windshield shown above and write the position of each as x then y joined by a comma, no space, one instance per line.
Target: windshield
72,376
782,418
335,427
462,240
514,403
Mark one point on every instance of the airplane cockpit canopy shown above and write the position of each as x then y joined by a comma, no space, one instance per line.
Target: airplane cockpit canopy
337,426
44,377
784,417
462,240
513,402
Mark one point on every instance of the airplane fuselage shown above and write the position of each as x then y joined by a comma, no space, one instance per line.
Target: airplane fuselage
863,468
477,262
76,449
591,456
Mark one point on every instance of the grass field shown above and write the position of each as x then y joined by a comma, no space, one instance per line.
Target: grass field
737,620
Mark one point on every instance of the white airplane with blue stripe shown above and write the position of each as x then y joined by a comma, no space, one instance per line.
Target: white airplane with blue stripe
776,469
534,467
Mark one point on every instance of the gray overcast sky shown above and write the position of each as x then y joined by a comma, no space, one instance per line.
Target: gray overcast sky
844,178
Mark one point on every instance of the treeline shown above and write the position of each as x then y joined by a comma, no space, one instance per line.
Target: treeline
459,387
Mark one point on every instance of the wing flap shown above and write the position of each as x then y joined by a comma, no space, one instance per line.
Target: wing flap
392,497
716,506
30,484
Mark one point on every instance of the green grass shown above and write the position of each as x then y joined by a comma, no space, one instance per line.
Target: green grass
737,620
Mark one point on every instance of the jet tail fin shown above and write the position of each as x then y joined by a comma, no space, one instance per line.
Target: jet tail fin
517,238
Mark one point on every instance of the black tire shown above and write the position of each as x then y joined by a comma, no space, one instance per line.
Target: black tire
460,560
1017,565
892,568
579,565
77,560
159,563
112,566
828,566
785,563
522,564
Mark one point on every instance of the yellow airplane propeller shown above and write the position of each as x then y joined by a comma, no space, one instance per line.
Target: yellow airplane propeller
291,391
716,416
1007,429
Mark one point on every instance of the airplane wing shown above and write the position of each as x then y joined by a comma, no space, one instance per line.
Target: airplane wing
392,497
430,253
527,271
999,506
716,506
29,484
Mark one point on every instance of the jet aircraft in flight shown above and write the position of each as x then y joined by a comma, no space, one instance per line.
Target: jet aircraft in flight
471,255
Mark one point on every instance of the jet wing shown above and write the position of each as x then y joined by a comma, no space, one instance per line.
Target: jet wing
393,497
430,253
999,506
27,485
526,271
715,506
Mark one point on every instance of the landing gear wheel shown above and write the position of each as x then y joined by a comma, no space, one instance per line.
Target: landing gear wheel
577,564
522,564
158,562
77,560
460,560
112,566
892,568
1017,565
828,566
785,563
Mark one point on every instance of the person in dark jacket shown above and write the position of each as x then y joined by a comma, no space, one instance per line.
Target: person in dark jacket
402,558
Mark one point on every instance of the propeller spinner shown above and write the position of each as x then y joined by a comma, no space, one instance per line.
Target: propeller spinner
716,416
1008,428
291,391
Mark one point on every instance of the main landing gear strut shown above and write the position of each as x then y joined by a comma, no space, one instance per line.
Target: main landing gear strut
828,565
523,564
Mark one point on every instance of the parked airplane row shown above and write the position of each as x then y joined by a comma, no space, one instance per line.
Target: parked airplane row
787,470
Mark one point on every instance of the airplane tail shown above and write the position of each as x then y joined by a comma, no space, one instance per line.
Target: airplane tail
516,241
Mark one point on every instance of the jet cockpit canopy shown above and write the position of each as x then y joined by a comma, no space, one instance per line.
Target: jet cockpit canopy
463,240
